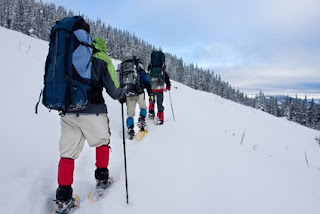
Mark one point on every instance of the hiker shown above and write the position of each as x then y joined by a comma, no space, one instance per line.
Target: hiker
133,80
159,82
90,124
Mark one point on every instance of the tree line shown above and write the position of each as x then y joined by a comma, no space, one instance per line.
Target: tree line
35,18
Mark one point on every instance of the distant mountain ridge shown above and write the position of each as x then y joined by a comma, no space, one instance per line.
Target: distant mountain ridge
281,98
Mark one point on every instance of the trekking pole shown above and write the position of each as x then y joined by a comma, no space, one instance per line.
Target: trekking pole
171,106
125,156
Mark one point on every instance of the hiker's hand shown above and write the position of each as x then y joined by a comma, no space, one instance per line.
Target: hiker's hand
168,88
123,99
151,99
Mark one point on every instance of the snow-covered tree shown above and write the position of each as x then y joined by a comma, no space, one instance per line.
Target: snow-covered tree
260,102
35,18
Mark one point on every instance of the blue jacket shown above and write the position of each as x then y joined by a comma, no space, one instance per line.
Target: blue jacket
145,81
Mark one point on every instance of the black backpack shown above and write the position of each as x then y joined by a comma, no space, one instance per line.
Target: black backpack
130,77
157,70
157,59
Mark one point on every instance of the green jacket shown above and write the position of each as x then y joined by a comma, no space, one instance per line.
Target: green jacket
103,75
101,46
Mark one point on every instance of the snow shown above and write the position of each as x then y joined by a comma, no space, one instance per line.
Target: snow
216,157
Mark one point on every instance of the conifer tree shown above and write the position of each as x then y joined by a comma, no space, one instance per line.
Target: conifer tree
35,18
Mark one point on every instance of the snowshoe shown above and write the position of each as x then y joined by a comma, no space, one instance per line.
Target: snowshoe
64,207
141,134
100,190
102,185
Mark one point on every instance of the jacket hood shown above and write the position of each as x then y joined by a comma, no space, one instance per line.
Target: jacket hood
100,44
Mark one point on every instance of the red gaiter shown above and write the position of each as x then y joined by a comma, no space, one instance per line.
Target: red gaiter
102,156
65,172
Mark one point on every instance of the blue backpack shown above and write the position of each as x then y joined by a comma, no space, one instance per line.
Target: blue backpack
68,66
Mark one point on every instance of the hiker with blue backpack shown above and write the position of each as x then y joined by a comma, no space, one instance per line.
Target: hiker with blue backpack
133,80
76,71
160,82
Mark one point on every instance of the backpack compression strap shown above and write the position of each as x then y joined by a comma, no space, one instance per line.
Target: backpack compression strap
88,45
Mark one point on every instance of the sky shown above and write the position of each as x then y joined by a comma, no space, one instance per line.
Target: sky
267,45
240,160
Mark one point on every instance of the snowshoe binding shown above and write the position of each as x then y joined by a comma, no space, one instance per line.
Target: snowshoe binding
131,133
142,123
64,207
102,185
99,192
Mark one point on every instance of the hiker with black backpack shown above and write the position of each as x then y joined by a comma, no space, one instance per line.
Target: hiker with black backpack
160,82
133,80
77,69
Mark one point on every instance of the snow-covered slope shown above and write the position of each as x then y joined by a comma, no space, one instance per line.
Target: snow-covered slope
217,157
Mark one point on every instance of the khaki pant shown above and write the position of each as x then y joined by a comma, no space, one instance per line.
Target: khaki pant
131,104
76,129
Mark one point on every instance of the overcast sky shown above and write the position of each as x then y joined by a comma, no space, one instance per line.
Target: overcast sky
268,45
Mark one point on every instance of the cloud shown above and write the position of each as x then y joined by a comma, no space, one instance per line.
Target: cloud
276,78
292,15
266,44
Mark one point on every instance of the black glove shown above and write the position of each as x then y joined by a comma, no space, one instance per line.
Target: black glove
122,99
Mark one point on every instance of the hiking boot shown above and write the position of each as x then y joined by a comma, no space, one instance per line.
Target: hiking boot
160,116
151,114
102,176
64,200
142,118
159,122
131,133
